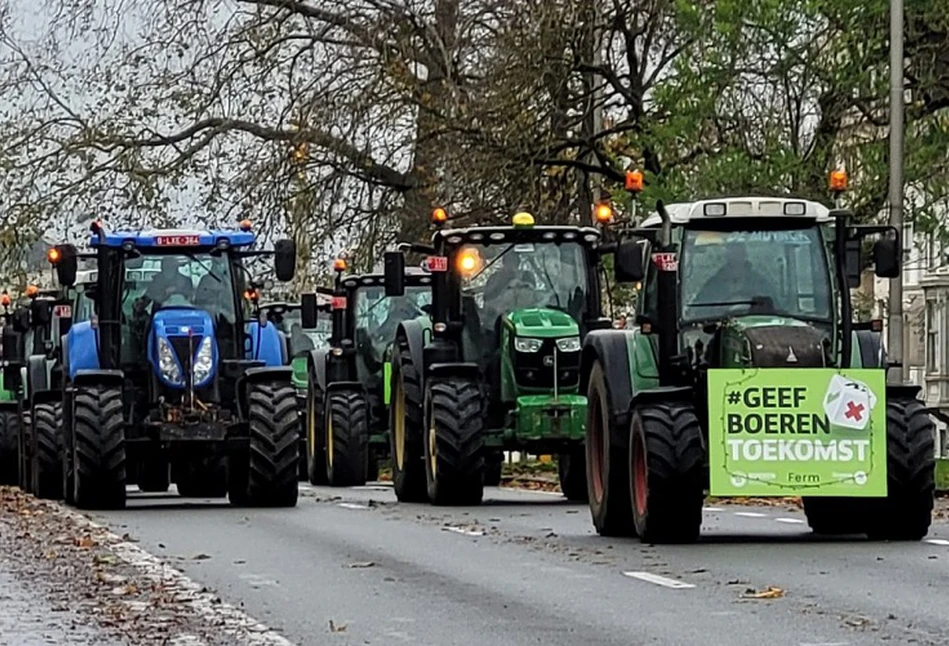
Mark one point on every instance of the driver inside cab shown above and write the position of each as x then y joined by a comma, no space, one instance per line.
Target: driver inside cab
736,280
170,282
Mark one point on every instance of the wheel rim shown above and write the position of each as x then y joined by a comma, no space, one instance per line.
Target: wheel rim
329,440
596,450
640,479
398,424
432,444
311,425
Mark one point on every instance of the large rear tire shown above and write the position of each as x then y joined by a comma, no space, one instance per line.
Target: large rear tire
667,465
25,451
274,451
9,447
906,512
607,465
406,430
347,438
99,449
572,473
315,451
454,452
46,450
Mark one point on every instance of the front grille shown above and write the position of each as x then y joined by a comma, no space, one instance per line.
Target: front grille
785,346
532,371
185,348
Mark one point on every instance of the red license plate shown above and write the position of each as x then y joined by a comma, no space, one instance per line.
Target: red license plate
339,303
666,261
62,311
437,263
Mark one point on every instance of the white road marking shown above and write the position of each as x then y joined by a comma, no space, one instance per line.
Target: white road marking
461,530
351,505
790,521
750,514
937,541
713,509
546,493
219,616
257,581
649,577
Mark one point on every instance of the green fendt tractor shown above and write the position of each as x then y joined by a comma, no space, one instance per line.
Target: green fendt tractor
287,318
347,415
745,376
498,367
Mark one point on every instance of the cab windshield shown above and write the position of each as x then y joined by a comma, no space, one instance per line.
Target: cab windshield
291,324
728,273
200,280
501,278
378,315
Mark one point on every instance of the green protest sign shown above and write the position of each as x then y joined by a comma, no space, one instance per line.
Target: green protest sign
806,431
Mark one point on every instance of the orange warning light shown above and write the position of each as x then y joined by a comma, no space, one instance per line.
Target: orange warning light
439,216
603,213
838,181
634,181
54,255
339,264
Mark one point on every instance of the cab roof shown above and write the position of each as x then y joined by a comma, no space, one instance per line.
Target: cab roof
173,238
741,207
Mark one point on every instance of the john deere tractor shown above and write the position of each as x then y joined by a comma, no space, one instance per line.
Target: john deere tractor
347,415
287,317
172,370
499,367
745,376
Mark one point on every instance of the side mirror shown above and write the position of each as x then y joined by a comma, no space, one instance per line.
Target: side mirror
20,320
285,259
852,263
628,262
309,311
67,265
41,312
12,351
886,257
394,262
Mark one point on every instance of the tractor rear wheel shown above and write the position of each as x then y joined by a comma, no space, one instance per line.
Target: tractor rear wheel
906,512
274,451
314,420
454,451
25,452
572,472
607,465
204,477
46,467
347,438
99,449
493,468
406,430
667,465
9,447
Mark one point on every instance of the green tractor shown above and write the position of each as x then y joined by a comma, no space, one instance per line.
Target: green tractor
287,318
347,395
745,376
497,367
15,323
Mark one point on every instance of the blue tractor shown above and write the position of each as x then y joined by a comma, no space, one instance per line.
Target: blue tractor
172,375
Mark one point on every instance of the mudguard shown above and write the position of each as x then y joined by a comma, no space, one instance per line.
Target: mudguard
256,375
110,378
414,335
81,348
611,348
903,391
316,367
45,397
662,394
266,344
37,373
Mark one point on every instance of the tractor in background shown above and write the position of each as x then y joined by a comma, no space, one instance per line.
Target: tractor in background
172,370
785,308
347,395
15,323
498,367
287,317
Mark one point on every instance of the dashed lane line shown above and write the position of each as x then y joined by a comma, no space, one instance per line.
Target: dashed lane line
462,530
351,505
657,579
790,521
937,541
750,514
713,509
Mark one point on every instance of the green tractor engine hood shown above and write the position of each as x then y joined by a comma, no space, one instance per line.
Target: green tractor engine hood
770,341
541,323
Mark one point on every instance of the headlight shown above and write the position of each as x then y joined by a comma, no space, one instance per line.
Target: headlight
203,361
569,344
524,344
167,363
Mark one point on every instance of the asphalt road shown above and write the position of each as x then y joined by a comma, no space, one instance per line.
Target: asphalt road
352,566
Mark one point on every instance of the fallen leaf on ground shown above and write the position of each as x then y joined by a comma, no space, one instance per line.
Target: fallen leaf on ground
200,557
85,542
337,628
361,564
770,592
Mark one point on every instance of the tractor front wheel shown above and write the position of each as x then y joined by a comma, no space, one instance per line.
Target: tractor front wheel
274,449
25,452
9,447
667,465
406,430
315,450
607,467
98,442
572,472
454,450
906,512
347,438
46,446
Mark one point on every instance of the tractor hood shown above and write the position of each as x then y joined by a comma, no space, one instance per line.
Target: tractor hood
770,341
182,343
542,323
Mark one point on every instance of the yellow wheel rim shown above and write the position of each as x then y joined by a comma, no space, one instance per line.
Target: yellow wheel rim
311,425
329,439
398,423
432,444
